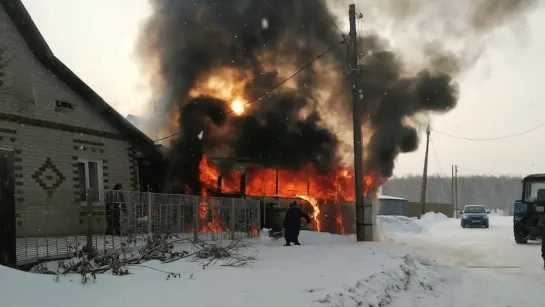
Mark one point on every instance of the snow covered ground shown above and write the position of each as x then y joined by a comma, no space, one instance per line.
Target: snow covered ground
431,262
492,269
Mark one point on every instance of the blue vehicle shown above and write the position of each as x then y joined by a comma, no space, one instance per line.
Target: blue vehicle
529,212
474,215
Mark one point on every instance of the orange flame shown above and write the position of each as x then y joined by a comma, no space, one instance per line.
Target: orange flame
227,84
314,203
325,193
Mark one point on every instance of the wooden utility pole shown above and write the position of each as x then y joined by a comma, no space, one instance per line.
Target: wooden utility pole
456,189
425,175
452,191
364,223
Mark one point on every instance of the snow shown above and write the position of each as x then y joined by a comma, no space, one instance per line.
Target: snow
406,226
490,268
427,262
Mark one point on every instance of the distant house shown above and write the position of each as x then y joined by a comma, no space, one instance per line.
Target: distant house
57,136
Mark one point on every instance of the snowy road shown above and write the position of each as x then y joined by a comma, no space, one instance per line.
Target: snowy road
496,271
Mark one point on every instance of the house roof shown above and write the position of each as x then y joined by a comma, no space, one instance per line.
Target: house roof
33,38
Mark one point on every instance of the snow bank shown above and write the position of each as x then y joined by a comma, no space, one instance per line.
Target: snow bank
390,287
327,270
402,225
432,218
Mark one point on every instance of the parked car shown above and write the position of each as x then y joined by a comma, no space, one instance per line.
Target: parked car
474,215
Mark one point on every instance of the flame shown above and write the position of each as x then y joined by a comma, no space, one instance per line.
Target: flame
210,217
210,177
324,193
237,106
314,203
227,84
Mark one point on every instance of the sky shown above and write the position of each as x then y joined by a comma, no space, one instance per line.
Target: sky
501,95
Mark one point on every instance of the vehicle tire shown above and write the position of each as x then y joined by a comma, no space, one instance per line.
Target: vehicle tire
463,225
519,239
486,225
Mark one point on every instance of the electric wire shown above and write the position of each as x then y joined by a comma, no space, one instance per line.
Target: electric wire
461,167
436,156
493,138
301,69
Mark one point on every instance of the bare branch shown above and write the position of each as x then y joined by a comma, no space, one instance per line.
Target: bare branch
166,248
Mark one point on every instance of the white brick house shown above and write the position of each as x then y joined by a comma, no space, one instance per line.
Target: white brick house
56,134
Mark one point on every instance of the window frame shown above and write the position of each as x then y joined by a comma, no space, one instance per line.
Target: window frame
529,190
100,178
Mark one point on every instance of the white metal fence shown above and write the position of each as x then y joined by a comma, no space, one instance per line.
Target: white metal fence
51,229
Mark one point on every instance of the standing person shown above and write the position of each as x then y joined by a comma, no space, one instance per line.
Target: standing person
542,225
115,202
292,224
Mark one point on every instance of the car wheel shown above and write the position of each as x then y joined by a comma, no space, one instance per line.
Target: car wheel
463,225
486,225
520,239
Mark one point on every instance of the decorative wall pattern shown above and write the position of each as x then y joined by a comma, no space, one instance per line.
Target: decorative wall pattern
48,177
133,166
106,181
88,146
8,134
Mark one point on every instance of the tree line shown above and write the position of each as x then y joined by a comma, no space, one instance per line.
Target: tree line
490,191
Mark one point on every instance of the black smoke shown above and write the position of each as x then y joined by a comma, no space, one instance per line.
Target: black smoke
183,163
185,39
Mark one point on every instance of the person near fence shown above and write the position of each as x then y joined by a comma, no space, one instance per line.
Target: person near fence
542,225
115,203
292,224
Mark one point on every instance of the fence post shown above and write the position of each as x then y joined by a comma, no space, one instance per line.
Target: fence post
181,214
232,220
195,205
90,196
150,209
258,224
248,223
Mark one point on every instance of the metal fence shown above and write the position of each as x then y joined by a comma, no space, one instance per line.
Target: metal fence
53,228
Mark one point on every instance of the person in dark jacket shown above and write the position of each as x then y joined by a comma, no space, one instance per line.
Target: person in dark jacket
115,202
542,225
292,224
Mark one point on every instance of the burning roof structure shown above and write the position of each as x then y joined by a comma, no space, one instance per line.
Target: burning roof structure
213,64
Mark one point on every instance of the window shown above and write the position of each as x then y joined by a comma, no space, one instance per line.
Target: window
534,191
474,209
90,177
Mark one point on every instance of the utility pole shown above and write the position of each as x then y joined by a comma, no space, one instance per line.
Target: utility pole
364,229
452,191
425,175
456,189
155,115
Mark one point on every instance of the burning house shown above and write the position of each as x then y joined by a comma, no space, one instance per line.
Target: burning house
327,197
222,72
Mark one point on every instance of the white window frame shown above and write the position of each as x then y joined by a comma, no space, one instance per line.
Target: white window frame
100,177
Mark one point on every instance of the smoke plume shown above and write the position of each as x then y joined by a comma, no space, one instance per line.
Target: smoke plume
259,43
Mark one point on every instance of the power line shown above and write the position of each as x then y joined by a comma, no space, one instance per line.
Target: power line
494,138
307,65
479,171
436,156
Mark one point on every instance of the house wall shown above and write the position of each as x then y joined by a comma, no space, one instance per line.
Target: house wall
51,139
